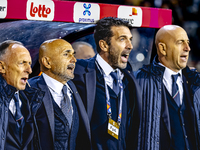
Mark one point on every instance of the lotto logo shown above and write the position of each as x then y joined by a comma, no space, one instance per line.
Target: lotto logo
40,10
3,8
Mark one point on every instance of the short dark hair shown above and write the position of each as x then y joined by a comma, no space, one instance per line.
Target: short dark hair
103,29
5,44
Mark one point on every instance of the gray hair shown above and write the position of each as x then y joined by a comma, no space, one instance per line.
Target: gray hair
76,44
5,44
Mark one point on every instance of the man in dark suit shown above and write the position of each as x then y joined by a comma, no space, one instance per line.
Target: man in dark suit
17,101
171,95
112,102
62,121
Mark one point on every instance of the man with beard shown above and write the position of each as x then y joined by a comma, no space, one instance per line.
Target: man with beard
171,95
108,88
62,121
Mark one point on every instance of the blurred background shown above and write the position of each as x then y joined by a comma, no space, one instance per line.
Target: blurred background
185,13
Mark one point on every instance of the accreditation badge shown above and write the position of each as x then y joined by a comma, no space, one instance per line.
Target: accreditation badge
113,128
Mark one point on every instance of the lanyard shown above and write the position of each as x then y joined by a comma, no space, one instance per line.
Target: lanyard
109,111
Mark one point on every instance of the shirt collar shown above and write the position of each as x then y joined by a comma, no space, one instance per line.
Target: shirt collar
107,69
168,72
55,85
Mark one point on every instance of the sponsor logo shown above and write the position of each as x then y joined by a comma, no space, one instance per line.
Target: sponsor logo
131,14
86,12
134,12
3,8
40,10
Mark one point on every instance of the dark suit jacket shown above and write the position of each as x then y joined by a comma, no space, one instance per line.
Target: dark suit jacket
165,129
28,130
155,124
85,81
46,116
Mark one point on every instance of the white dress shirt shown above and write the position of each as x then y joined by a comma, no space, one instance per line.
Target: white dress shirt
167,80
107,69
55,88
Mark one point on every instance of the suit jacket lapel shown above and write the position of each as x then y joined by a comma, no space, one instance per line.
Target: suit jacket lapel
27,137
13,128
165,111
47,100
90,79
80,107
91,90
190,103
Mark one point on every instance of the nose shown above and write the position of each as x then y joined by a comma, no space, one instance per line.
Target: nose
187,47
73,59
29,69
129,45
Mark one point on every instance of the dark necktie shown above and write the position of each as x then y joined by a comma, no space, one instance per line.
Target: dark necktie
18,115
175,89
66,106
115,82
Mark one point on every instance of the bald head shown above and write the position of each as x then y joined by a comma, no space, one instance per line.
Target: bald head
51,47
167,32
172,45
83,50
57,59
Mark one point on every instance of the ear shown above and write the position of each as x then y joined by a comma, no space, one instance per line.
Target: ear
2,67
103,45
162,48
46,62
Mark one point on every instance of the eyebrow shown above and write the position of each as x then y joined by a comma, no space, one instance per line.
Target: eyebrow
69,51
125,36
25,61
187,40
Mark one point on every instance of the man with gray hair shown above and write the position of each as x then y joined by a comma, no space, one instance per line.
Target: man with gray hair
16,100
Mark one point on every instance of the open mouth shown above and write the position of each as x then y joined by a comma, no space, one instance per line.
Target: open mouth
71,66
124,57
24,80
184,58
